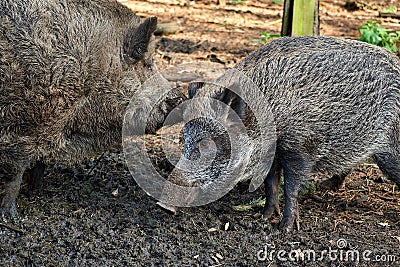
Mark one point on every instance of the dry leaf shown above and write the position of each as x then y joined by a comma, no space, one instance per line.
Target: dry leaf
215,259
227,226
115,192
212,229
275,220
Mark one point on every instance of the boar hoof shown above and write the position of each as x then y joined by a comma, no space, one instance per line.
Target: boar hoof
287,222
331,184
269,210
167,207
9,210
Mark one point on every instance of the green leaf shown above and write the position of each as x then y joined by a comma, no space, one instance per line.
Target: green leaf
373,33
390,9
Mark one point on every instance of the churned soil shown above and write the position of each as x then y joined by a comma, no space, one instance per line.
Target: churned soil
95,214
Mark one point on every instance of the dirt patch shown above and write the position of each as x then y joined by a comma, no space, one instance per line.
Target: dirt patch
181,46
96,215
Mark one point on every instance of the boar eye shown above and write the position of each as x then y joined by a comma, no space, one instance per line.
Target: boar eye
205,143
194,154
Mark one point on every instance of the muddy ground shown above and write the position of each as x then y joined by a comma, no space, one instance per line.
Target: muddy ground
94,214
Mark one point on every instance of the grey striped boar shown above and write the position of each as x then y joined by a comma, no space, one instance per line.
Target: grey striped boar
335,103
68,69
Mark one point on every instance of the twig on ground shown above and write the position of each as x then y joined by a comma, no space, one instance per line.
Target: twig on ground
12,228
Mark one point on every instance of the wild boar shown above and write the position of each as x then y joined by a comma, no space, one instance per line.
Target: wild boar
335,103
68,70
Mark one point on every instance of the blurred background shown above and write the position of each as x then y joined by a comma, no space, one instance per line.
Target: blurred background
226,31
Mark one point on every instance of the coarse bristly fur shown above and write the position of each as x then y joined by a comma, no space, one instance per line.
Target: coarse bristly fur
68,69
335,103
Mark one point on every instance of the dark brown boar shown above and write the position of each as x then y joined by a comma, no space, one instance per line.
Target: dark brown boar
68,69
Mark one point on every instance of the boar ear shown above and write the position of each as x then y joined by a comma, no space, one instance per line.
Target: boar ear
193,87
230,98
137,40
234,101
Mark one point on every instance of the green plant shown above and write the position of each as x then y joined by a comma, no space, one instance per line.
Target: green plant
266,37
372,32
235,2
390,9
259,202
277,2
308,188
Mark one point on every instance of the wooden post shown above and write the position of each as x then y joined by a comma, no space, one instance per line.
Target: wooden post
287,18
300,17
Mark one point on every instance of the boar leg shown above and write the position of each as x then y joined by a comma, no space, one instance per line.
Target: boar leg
12,167
34,177
272,185
296,168
335,182
389,163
